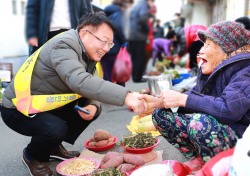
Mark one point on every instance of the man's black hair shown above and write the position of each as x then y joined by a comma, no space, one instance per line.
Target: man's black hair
244,20
94,19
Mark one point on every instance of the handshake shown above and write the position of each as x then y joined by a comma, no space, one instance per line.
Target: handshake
143,103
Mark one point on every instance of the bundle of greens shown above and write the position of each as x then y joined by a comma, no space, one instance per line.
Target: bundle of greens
139,140
107,172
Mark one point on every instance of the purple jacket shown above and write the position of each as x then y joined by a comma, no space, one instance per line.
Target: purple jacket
161,45
225,94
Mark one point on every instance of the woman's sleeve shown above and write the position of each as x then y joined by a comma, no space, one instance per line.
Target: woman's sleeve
230,107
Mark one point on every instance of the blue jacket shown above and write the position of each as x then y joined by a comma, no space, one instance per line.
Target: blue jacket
225,94
115,15
39,13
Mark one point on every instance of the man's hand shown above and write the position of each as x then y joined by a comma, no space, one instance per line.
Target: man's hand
33,41
92,109
139,106
153,102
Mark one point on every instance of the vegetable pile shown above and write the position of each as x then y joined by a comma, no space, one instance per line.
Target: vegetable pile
101,138
121,162
139,140
107,172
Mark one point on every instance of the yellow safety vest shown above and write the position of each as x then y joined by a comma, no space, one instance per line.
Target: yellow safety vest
31,104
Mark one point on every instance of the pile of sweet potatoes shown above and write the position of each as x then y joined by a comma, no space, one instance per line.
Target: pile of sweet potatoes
101,138
122,162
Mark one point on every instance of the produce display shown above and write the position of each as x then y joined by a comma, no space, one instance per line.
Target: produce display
101,138
139,140
107,172
162,65
77,166
122,162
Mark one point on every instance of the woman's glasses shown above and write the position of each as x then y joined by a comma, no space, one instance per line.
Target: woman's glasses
104,43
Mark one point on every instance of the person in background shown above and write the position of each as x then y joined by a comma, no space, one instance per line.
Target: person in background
63,76
158,29
137,37
149,42
210,118
126,17
180,21
115,14
244,20
47,18
188,42
163,46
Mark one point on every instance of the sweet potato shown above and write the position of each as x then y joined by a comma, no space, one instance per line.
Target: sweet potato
113,162
92,139
125,167
101,143
110,155
135,160
101,135
111,139
92,144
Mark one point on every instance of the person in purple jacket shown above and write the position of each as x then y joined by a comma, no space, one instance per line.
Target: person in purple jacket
216,111
162,46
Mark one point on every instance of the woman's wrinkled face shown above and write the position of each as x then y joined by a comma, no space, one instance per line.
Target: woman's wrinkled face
97,41
211,55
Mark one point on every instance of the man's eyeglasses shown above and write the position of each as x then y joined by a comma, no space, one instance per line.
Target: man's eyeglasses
104,43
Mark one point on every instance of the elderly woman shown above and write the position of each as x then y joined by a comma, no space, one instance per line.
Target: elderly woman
216,112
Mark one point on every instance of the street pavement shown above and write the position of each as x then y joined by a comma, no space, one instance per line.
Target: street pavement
113,119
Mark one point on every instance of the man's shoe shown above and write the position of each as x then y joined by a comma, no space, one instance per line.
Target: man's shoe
62,154
36,168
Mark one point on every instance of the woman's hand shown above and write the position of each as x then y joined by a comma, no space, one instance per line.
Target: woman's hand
173,99
92,109
153,102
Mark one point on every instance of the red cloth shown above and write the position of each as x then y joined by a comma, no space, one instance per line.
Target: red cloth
191,33
219,164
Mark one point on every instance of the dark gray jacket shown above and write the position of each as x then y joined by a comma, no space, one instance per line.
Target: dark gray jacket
139,16
63,67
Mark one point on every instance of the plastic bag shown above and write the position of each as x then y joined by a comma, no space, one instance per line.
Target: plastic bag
218,165
122,67
241,156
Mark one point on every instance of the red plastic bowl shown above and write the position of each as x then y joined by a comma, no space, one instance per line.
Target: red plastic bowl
140,150
100,149
61,164
179,169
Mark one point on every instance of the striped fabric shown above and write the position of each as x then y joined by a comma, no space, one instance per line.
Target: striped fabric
229,35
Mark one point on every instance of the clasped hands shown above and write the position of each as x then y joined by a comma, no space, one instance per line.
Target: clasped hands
143,103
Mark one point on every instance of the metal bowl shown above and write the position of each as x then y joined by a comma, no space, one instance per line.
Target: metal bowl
160,83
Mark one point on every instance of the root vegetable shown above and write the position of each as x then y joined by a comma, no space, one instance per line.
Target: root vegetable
111,139
110,155
125,167
135,160
101,143
101,135
92,144
113,162
92,139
